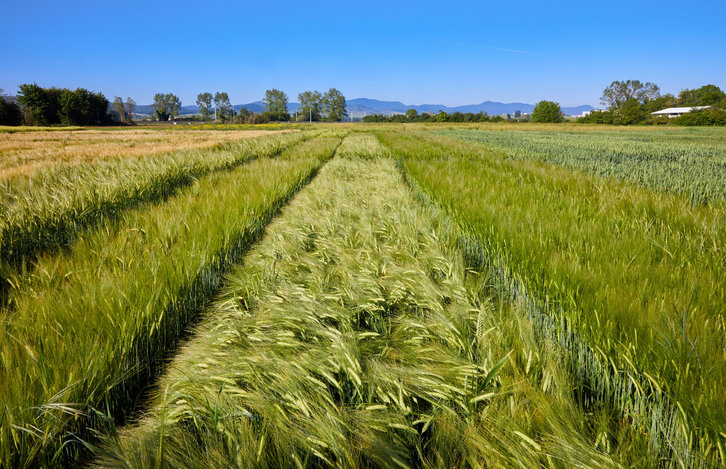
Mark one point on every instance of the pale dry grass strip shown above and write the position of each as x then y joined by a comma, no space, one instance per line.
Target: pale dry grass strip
23,153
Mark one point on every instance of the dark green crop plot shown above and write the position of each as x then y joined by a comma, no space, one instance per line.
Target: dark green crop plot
691,162
638,275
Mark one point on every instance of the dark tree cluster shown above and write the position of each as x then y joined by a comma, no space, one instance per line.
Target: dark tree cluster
547,112
49,106
10,113
166,106
632,102
316,106
275,102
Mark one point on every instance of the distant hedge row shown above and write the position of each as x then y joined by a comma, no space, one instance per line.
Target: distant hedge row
48,106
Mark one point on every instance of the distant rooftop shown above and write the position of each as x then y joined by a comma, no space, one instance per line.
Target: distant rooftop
679,110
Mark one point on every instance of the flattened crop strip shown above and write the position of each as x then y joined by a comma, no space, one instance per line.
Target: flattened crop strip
91,325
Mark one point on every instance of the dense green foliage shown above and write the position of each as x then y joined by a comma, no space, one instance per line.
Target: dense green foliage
547,112
48,106
10,113
702,117
693,164
102,314
275,102
166,106
316,106
632,102
204,103
620,92
637,276
441,116
707,95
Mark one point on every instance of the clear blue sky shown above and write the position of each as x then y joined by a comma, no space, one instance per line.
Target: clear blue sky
440,52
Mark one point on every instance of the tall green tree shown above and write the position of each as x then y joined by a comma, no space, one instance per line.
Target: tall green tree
204,102
275,102
547,111
38,105
166,106
129,108
619,92
9,110
631,112
82,107
222,106
45,106
707,95
119,108
334,105
310,106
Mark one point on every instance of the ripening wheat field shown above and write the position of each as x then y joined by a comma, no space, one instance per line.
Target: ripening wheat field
367,296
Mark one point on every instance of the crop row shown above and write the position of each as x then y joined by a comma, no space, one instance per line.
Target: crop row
354,337
49,208
638,276
693,168
91,324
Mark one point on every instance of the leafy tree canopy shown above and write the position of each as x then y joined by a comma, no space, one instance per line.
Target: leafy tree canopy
310,105
547,111
48,106
222,106
204,102
334,105
275,102
619,92
166,106
707,95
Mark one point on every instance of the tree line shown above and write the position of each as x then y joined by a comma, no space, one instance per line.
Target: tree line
544,111
631,102
314,106
35,105
52,106
628,102
412,115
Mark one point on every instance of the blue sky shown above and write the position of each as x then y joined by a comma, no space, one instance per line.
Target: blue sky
451,53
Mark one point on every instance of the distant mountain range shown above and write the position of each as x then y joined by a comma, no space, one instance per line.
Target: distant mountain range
365,106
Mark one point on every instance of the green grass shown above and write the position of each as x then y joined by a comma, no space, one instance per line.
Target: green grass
49,209
692,163
90,325
638,275
353,336
11,129
503,300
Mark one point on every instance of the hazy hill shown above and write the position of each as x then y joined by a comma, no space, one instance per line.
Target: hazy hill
363,106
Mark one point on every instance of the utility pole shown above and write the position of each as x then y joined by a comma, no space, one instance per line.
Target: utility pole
311,116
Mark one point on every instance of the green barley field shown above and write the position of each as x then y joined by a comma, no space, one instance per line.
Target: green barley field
412,296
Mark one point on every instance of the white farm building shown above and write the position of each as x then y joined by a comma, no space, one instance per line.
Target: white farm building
677,111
